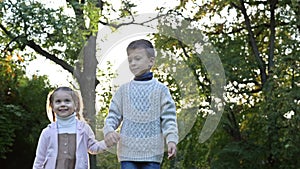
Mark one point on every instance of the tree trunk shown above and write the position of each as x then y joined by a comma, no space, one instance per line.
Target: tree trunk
85,73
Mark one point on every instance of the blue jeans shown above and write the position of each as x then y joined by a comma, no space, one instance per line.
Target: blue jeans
139,165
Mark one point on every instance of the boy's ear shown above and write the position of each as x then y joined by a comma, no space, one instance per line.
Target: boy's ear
152,61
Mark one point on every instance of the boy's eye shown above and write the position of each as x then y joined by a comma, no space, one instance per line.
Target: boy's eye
138,57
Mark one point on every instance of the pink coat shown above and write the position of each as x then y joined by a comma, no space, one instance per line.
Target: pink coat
47,148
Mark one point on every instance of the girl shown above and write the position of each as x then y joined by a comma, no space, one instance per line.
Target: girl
66,142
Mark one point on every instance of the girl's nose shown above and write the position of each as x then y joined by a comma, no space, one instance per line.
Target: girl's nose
63,104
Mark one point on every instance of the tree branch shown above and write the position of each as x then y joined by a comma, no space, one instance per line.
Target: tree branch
253,44
39,50
132,22
272,35
232,127
53,58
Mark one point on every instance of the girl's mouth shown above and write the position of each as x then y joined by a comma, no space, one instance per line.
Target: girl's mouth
63,109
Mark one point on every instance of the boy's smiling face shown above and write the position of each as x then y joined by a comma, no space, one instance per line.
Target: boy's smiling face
139,62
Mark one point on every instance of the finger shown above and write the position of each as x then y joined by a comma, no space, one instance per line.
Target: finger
115,138
171,152
108,144
170,156
118,136
109,141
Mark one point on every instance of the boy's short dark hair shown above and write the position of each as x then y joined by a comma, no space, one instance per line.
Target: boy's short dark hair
142,44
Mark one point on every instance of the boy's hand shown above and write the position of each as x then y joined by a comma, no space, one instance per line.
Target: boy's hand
111,138
171,150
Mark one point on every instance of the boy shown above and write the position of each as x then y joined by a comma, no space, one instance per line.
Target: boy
147,112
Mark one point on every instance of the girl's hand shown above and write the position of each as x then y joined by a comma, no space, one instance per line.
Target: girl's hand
171,150
111,138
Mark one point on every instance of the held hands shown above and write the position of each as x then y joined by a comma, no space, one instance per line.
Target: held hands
171,150
111,138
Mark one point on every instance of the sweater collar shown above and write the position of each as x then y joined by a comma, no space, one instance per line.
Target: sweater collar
65,119
144,77
66,124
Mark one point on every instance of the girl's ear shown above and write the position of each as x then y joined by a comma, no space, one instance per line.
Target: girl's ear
77,105
53,116
51,105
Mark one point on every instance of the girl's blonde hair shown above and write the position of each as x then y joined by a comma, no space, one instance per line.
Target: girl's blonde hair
76,96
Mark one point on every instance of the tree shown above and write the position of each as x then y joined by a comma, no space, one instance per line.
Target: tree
23,114
258,42
58,36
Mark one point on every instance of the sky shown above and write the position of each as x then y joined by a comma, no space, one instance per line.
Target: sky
57,75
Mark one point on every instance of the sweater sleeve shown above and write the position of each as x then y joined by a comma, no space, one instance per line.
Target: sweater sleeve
114,117
168,117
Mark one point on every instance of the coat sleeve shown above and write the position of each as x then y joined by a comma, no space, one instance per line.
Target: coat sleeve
41,151
94,146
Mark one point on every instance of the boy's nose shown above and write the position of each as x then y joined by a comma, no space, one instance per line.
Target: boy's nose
132,62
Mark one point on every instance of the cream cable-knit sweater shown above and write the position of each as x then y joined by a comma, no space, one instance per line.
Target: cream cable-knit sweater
148,116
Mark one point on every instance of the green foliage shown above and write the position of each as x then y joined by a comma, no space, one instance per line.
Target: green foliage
239,155
30,98
22,108
258,126
55,33
9,115
108,159
105,76
105,89
261,119
93,13
50,28
191,154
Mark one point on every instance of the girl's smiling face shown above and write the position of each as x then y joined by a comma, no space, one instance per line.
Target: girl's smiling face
63,104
